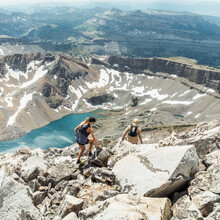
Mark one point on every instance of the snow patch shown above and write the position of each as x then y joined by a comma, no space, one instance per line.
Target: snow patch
9,101
211,91
103,80
1,52
173,95
150,77
197,115
138,90
145,102
23,102
177,102
173,75
38,74
77,91
198,96
102,58
128,112
186,92
115,77
115,95
155,94
82,89
14,74
75,104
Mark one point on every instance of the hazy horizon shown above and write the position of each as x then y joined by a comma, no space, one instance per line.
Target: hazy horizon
211,7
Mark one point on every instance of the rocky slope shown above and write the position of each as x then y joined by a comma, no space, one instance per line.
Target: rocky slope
34,86
39,88
209,77
171,182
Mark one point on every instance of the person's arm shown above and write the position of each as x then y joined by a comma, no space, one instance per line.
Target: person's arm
125,133
140,137
78,127
94,138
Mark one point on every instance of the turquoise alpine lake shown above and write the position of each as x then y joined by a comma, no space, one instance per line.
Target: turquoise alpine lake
57,134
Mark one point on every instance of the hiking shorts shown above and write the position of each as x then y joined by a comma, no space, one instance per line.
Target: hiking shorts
81,139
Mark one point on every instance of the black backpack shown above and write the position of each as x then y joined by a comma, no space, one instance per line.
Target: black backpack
133,131
83,129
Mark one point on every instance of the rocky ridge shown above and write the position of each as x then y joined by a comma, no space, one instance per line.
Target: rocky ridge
194,73
40,88
54,187
37,84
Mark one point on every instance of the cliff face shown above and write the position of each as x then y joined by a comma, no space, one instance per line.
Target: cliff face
36,89
208,78
34,86
19,62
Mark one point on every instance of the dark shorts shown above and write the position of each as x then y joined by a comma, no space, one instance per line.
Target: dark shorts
81,139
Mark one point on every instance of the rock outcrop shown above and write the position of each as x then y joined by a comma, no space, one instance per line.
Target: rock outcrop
118,182
196,74
15,200
163,171
128,207
99,100
203,194
205,137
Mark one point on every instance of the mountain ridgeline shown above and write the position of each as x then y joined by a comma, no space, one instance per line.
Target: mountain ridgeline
207,76
148,33
40,88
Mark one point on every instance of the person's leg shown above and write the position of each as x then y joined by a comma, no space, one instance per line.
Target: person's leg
81,151
91,144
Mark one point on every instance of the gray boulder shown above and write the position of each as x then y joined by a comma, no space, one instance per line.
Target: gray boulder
156,172
15,200
68,205
205,137
215,214
185,209
34,165
128,207
212,158
38,197
208,180
104,176
203,200
62,171
102,158
72,188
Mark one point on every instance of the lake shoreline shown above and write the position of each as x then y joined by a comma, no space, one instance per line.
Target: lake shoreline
23,136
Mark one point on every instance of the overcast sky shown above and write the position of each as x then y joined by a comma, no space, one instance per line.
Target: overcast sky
4,2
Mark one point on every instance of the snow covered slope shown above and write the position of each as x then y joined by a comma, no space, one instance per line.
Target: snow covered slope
36,89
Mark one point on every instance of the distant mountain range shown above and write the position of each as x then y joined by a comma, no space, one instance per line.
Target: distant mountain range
134,33
202,7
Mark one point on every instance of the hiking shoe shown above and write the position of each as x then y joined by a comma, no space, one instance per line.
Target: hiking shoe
90,154
80,161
